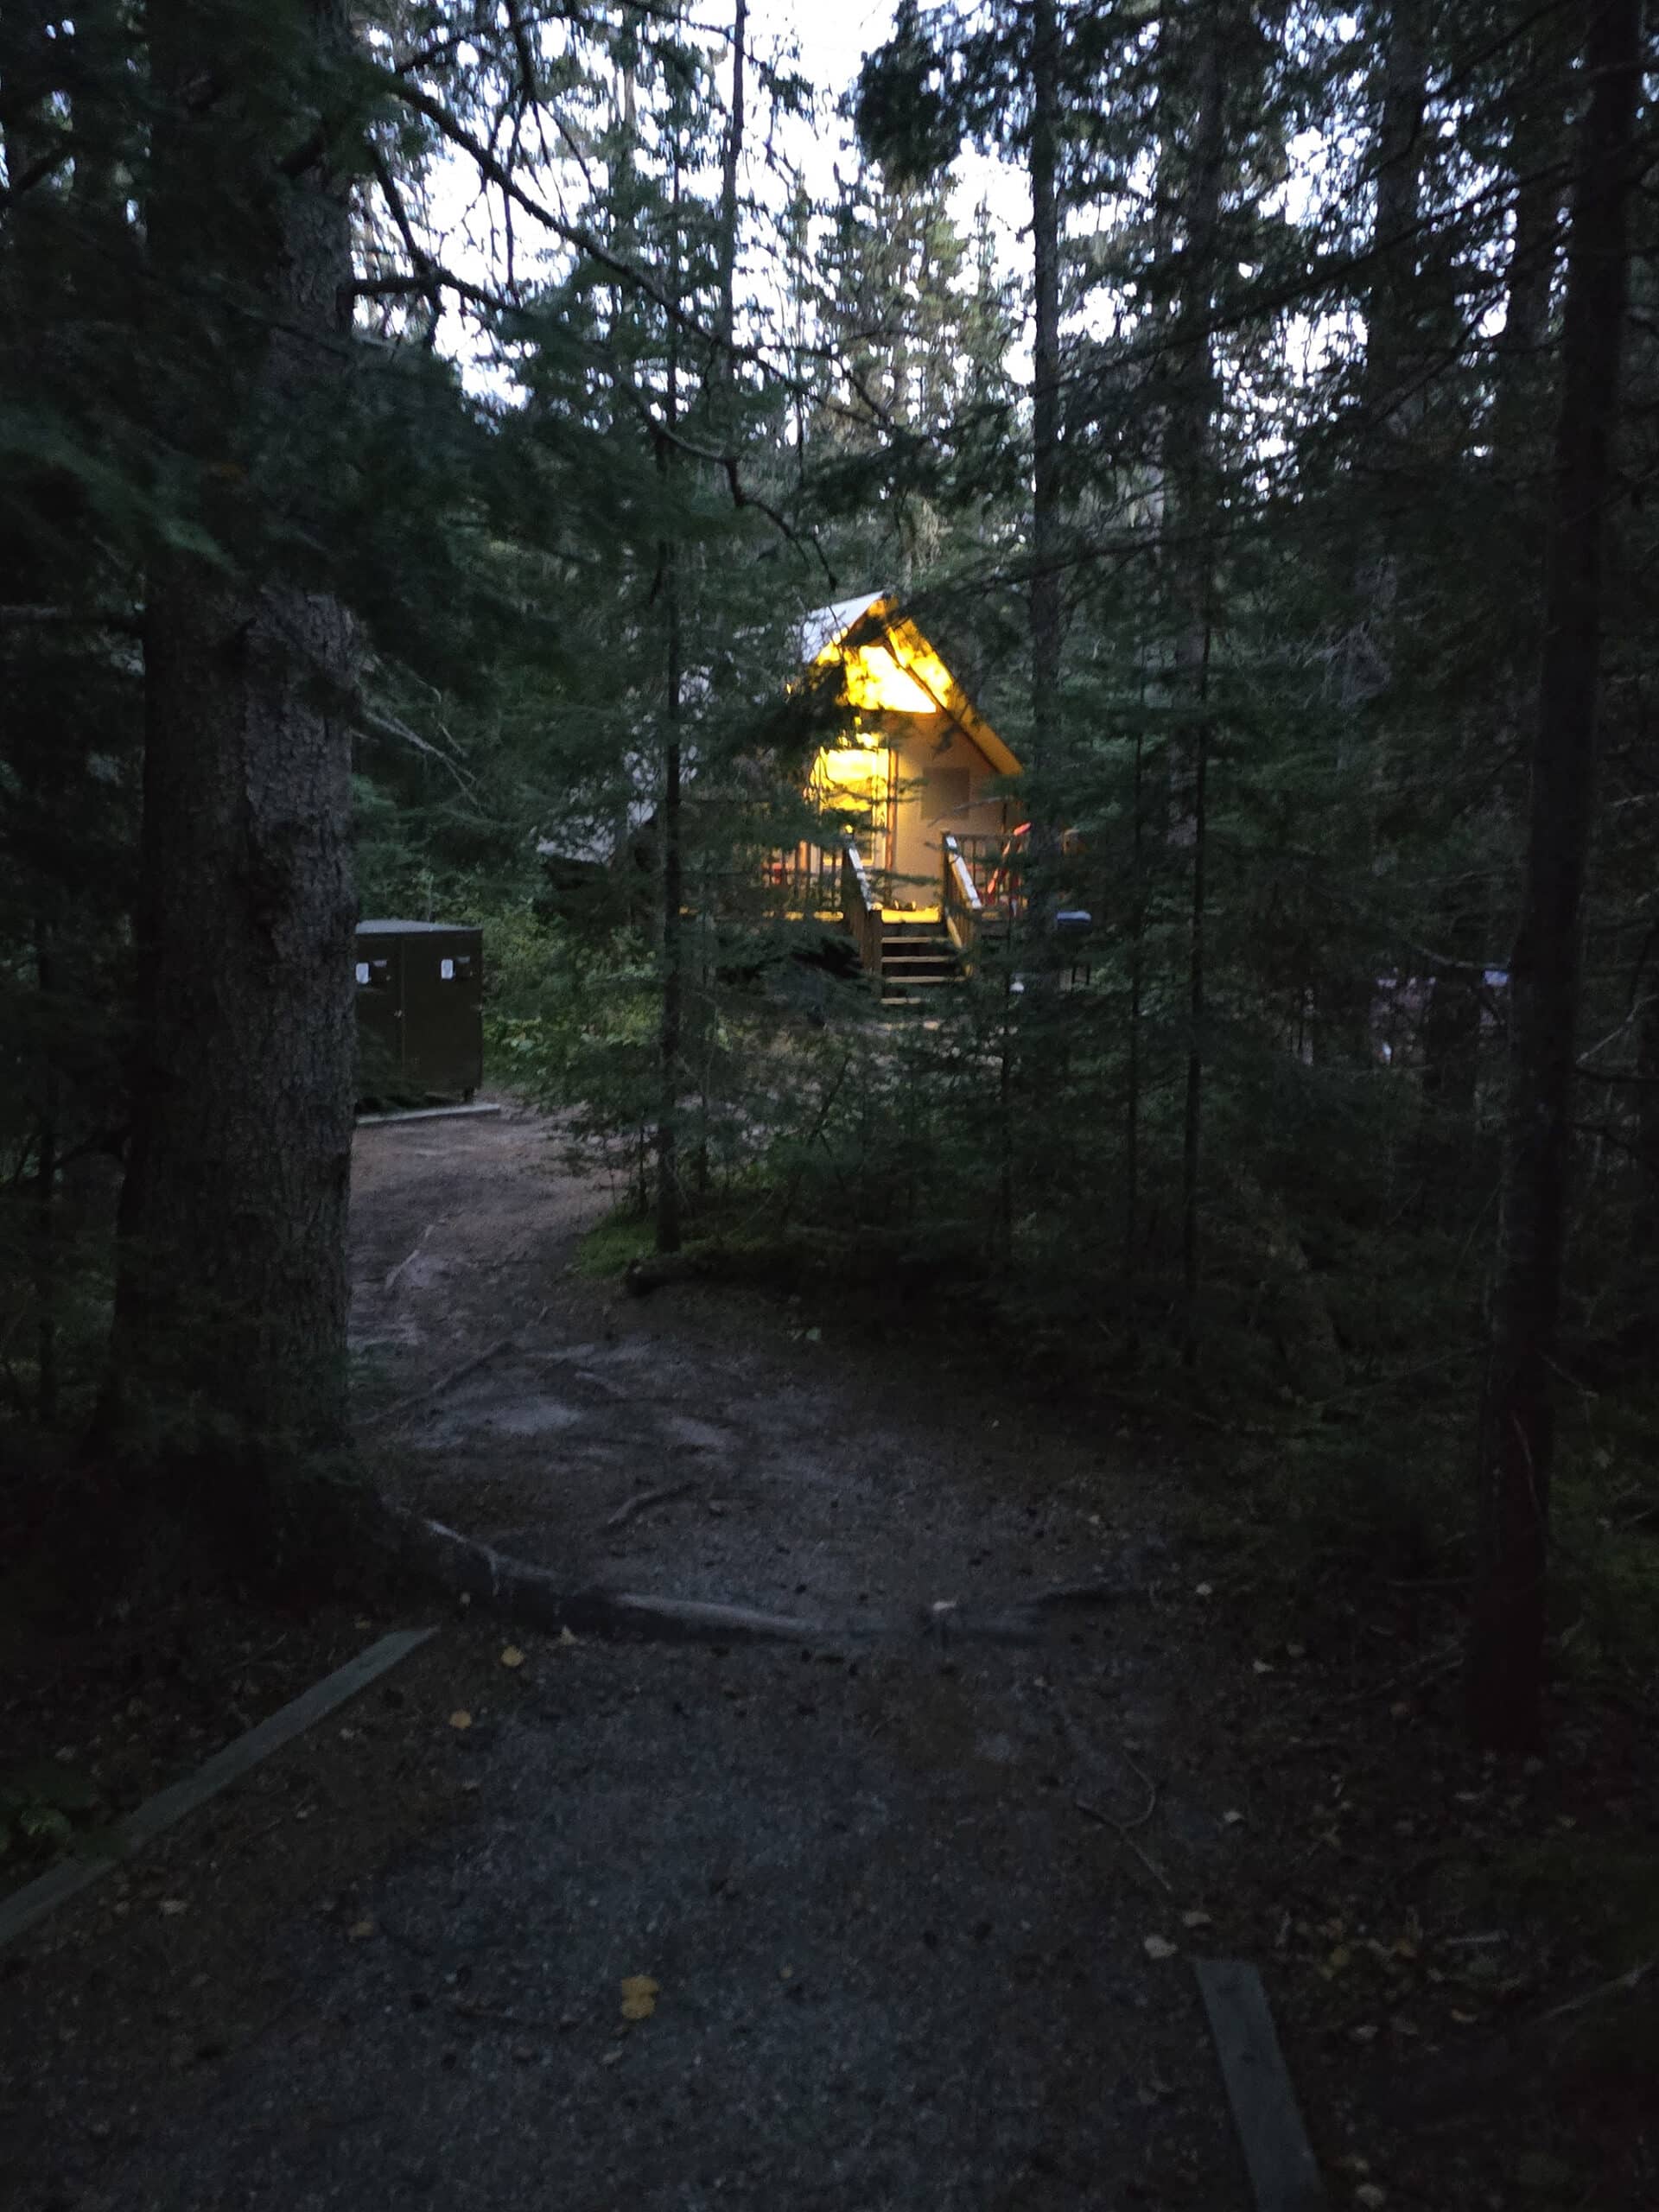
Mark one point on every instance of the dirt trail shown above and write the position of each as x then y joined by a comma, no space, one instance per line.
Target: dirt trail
898,1965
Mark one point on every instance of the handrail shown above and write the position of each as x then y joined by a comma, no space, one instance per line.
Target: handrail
962,905
860,910
981,854
803,875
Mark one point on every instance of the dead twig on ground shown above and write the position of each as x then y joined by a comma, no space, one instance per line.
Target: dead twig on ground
644,1501
1504,2066
408,1260
1122,1830
1442,1660
444,1383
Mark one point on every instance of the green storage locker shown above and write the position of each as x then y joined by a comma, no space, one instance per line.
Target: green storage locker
420,1012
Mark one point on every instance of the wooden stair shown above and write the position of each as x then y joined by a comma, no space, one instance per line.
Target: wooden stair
917,957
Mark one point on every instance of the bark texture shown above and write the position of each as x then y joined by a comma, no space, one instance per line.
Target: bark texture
1047,619
732,157
1391,308
1507,1630
1192,474
229,1349
671,1037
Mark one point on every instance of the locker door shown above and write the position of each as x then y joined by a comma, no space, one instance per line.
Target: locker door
379,1017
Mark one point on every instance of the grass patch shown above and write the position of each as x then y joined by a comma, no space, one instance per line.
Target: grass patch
610,1244
1601,1891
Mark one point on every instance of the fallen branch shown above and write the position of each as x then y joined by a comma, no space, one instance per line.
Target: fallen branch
1501,2069
644,1502
444,1383
409,1259
1443,1660
464,1567
1620,1986
1120,1830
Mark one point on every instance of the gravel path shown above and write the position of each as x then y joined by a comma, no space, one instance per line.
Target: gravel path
899,1959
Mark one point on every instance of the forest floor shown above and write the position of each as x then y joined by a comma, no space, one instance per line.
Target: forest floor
915,1904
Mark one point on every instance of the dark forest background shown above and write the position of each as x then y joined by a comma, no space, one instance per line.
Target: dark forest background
1283,500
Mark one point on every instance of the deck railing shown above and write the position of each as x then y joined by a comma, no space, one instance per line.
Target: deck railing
995,865
861,908
960,900
805,878
984,856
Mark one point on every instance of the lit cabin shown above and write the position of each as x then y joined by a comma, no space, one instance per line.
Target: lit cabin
916,771
918,761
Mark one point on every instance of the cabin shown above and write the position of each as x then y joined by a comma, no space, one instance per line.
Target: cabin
916,759
919,778
919,848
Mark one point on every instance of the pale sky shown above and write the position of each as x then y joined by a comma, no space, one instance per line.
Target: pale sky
834,40
832,37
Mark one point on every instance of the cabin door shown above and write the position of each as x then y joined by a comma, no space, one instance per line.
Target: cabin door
858,783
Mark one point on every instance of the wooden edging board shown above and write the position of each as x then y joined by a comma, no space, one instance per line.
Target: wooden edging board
36,1899
424,1114
1284,2173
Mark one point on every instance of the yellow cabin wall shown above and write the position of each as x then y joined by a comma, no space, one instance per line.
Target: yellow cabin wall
930,759
935,778
937,781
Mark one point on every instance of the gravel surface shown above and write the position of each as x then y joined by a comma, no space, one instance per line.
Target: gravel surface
893,1886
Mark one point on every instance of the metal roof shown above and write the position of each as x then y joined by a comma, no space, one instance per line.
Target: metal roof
824,626
409,929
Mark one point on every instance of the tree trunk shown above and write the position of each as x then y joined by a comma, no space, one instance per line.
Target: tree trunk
1642,1237
1047,620
1137,954
1189,472
1535,152
1196,1014
670,1205
671,1018
1390,312
728,201
229,1345
1507,1629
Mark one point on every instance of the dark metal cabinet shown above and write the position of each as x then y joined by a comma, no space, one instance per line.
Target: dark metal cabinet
420,1017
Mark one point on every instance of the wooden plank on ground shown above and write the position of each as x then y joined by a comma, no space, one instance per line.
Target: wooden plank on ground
425,1113
26,1906
1284,2173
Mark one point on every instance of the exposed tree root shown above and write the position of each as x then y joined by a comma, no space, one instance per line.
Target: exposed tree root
461,1566
643,1500
444,1381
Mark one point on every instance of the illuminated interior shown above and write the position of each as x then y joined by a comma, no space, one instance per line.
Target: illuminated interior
849,775
857,781
893,687
876,683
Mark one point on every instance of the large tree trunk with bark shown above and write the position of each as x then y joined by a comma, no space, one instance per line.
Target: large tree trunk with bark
732,157
1391,307
671,1035
1047,618
1191,472
1507,1630
229,1350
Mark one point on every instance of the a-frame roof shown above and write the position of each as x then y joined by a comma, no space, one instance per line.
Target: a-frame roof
828,631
